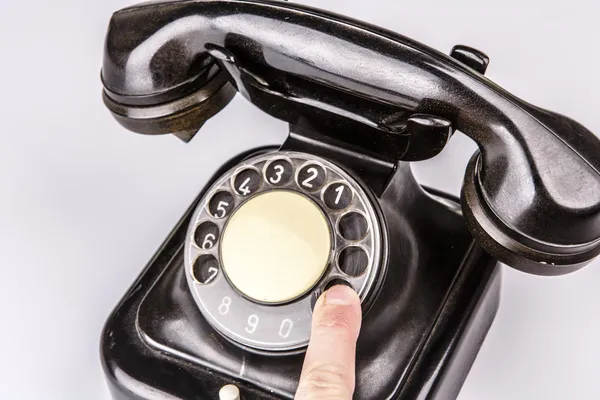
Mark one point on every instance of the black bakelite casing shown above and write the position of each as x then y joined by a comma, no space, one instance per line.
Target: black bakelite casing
371,101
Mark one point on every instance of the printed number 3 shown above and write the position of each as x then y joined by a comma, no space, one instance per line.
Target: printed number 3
278,174
313,174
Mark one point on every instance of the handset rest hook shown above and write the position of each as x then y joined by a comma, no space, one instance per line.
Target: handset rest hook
531,194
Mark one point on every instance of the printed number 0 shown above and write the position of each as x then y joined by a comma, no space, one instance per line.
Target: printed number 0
222,209
285,328
252,323
314,172
244,188
225,304
208,241
278,174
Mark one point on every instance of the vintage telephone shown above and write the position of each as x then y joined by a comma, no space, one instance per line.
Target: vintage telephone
227,298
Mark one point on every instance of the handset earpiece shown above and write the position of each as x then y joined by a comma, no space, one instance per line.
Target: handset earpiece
155,83
531,195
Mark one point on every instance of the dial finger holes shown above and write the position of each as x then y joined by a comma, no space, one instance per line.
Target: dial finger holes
337,281
353,261
279,172
246,182
221,204
311,177
353,226
206,235
337,196
205,269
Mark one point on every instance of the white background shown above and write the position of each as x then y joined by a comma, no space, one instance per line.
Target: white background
84,204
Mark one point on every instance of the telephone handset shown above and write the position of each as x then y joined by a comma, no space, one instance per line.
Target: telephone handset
337,202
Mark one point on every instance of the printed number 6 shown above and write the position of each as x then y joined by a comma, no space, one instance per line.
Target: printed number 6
208,241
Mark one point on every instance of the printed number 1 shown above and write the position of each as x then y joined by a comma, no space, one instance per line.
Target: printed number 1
339,191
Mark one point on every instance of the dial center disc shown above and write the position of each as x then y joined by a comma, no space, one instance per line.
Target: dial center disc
276,246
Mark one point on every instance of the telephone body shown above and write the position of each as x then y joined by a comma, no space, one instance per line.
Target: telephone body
227,298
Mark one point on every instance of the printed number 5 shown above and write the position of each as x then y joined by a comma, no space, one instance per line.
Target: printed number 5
221,208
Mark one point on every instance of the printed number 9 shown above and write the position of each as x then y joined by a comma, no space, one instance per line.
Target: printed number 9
252,323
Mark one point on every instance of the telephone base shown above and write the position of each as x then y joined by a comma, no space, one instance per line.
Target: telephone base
419,338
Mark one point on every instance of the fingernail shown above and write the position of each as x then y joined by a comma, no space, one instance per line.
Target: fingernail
340,295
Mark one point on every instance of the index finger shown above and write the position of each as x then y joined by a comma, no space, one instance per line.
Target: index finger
329,365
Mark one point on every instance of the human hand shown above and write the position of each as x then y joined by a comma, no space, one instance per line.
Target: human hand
329,365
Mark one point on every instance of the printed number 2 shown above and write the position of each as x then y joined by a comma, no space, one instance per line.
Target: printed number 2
221,208
313,174
278,174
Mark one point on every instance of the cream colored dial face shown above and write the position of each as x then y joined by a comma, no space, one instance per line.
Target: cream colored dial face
276,246
269,236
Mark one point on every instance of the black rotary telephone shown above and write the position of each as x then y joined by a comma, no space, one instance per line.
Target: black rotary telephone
227,299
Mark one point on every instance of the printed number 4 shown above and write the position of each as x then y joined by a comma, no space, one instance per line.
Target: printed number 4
244,187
